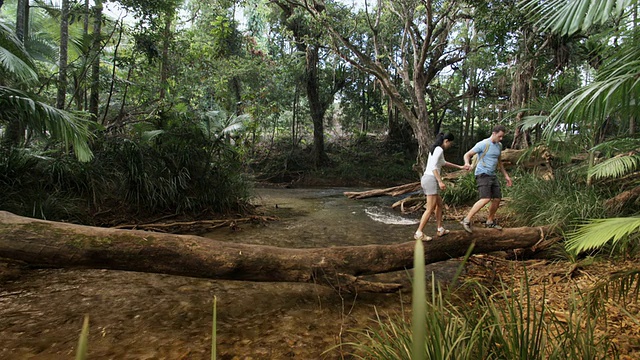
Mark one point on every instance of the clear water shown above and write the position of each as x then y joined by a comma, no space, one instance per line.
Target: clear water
324,217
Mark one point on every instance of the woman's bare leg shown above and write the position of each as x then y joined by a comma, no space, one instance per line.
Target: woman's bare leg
439,205
431,204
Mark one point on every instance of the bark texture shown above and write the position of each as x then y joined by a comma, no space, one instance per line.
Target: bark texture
55,244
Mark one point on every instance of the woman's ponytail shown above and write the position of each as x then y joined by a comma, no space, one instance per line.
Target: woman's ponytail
438,142
440,138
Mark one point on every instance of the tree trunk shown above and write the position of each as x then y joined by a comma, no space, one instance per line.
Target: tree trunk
317,106
22,20
56,244
62,57
164,66
94,97
14,133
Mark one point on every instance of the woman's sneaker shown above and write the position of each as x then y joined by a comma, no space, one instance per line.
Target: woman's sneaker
466,224
421,236
493,225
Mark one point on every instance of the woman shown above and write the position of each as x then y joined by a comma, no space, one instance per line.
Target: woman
432,184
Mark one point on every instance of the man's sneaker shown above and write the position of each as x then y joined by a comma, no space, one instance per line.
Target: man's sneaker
467,226
493,225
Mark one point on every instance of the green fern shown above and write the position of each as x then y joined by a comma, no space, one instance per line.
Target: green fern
598,232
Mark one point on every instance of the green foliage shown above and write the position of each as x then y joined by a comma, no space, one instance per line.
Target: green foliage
463,192
622,286
360,160
14,59
39,186
499,324
615,167
151,8
520,330
83,341
560,201
567,17
623,159
70,128
214,331
437,331
180,169
177,170
418,304
23,109
597,232
612,93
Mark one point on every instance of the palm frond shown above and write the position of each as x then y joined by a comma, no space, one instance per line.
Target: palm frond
540,105
15,66
41,47
70,128
235,123
596,101
618,145
215,123
151,134
567,17
532,121
615,167
598,232
14,58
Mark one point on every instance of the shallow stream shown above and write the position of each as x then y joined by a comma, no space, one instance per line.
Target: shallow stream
154,316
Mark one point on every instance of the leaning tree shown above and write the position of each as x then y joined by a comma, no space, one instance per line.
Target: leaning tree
408,39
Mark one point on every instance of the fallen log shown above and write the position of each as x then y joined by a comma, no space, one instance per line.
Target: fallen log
392,191
195,226
62,245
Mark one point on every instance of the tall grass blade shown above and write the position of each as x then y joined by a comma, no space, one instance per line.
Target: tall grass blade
214,335
418,303
83,342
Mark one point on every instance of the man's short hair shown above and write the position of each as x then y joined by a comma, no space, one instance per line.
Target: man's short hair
498,128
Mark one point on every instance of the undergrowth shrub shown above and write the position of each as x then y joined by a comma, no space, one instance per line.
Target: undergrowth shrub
561,201
463,192
355,161
500,324
177,170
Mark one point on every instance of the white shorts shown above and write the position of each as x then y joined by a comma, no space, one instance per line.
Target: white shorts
430,185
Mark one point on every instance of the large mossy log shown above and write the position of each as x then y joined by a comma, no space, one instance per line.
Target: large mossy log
63,245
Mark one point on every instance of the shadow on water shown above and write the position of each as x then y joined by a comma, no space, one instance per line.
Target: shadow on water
153,316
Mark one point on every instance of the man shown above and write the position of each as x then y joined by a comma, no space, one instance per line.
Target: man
488,151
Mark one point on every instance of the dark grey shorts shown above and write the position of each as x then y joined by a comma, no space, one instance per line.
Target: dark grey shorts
488,186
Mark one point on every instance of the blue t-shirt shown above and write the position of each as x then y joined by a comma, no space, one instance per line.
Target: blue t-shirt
488,162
